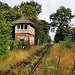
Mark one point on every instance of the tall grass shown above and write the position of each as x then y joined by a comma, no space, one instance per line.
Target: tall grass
17,56
60,61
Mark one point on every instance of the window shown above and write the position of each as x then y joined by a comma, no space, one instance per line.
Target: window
18,26
21,26
25,26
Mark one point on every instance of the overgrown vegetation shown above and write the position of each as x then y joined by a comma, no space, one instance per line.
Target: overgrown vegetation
30,10
68,43
58,61
15,45
61,59
5,35
16,56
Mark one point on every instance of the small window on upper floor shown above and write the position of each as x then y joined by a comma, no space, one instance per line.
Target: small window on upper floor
25,26
21,26
18,26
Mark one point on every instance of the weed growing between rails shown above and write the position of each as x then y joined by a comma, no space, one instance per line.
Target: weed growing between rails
60,60
17,56
28,62
42,56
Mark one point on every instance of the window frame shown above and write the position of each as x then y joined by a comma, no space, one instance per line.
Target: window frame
19,27
22,26
25,26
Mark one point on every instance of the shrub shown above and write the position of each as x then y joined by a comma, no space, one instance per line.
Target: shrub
67,43
17,44
23,44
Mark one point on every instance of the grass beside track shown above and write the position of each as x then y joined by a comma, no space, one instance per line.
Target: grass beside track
51,65
25,70
17,56
58,61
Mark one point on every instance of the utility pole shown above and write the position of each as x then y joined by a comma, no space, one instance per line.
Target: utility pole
38,42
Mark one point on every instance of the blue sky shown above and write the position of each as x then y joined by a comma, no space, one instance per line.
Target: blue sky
48,7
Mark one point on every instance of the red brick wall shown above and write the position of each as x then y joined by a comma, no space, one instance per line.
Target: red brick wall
27,35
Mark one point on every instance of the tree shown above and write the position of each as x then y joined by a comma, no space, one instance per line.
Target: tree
5,35
4,6
10,16
61,20
16,7
33,4
42,32
46,26
29,12
5,30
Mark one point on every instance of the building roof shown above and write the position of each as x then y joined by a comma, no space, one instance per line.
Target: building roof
25,20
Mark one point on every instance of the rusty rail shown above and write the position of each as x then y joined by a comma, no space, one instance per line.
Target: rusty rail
23,62
37,64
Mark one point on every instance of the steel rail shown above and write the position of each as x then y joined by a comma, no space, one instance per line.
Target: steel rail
24,61
37,64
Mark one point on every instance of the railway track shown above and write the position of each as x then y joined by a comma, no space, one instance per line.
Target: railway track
23,63
37,64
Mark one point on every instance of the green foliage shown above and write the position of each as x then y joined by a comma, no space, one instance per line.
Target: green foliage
5,35
28,47
29,12
7,12
4,6
16,7
28,9
15,45
61,20
42,32
5,31
9,16
67,43
33,4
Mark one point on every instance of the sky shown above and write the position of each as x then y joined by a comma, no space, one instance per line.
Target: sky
48,7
